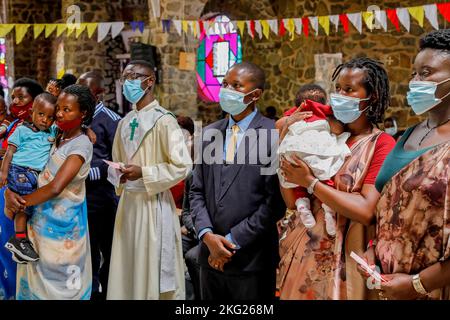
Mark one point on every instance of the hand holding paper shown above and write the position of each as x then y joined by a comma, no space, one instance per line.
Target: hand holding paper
373,273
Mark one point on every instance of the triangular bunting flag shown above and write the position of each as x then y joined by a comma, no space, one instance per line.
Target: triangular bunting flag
80,30
403,17
392,15
241,26
273,24
116,28
265,28
251,28
91,27
444,9
37,29
324,21
368,17
49,28
314,24
70,28
282,29
258,28
305,24
191,27
184,26
334,19
133,25
21,30
380,16
177,25
431,14
5,29
298,25
102,31
344,20
141,25
417,13
60,28
356,20
201,27
165,25
197,32
290,27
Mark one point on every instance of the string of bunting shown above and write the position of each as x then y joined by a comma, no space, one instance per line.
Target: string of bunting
47,29
291,26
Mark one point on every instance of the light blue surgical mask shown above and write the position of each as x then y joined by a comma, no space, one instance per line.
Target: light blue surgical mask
346,109
232,101
422,95
132,90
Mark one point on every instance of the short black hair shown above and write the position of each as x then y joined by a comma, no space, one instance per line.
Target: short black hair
376,83
186,123
94,75
85,100
32,86
258,76
47,97
67,80
437,40
145,64
312,92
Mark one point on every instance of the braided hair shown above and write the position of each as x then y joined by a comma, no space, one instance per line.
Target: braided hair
376,83
85,100
437,40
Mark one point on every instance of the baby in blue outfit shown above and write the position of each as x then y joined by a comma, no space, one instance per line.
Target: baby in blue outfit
27,154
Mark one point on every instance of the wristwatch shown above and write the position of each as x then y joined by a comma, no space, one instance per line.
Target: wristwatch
417,284
310,189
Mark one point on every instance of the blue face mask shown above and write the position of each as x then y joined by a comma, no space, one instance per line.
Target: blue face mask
422,95
132,90
232,101
346,109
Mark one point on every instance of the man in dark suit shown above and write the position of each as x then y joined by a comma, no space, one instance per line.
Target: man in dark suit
235,196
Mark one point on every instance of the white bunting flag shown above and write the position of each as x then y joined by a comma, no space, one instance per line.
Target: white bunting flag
356,20
335,20
404,18
273,24
431,15
315,24
298,25
258,28
116,28
102,31
177,24
381,18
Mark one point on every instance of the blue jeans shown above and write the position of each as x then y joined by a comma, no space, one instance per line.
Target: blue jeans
23,181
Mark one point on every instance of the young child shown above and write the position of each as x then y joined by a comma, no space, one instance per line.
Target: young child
320,142
27,154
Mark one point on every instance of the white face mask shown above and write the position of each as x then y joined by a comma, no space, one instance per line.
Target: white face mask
392,130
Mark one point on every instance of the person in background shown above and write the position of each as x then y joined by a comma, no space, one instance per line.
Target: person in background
391,128
55,86
271,113
101,197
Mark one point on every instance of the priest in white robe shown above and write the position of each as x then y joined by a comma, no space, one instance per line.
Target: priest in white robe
146,258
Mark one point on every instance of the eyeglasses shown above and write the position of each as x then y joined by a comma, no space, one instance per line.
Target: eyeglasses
132,76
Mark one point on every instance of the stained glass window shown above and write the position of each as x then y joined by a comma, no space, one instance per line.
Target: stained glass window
217,52
3,80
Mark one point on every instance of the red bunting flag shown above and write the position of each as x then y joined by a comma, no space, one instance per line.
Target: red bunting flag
252,28
444,9
305,25
282,29
345,23
392,15
202,28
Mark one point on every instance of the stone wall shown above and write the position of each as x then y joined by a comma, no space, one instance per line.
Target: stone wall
289,64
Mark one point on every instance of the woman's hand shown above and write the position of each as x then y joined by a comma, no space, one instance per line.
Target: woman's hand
369,257
297,172
398,287
13,202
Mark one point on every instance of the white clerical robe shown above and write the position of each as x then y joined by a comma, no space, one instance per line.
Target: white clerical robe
147,258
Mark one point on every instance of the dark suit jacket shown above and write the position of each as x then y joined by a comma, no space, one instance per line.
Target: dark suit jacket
237,198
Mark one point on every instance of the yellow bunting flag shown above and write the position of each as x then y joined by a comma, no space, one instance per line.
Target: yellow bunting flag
37,29
21,30
418,13
324,21
184,26
368,17
241,26
49,28
91,28
80,30
290,26
71,27
194,29
5,29
265,28
60,73
60,28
